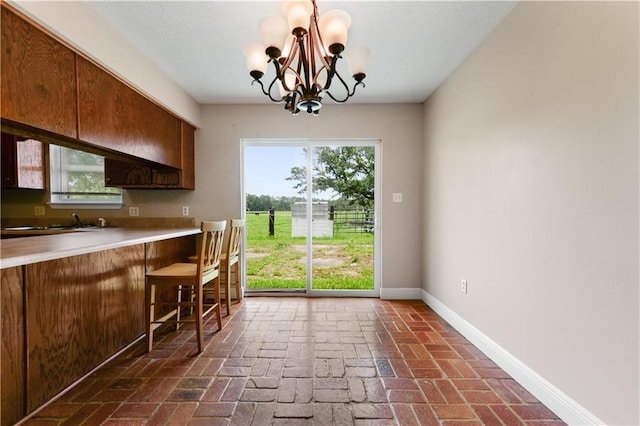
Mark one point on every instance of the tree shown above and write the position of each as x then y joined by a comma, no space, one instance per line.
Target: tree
346,170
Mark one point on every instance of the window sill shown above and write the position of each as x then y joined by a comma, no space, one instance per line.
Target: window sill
86,206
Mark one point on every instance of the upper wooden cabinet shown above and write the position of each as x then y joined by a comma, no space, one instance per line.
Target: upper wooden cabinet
38,78
131,175
23,163
188,167
114,116
53,93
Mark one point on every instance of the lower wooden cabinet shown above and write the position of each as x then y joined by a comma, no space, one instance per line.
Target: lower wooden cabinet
12,385
63,318
80,310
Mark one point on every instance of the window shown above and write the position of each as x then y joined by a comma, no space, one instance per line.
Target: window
77,179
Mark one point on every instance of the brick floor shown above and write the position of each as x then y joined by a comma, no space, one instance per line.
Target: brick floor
305,361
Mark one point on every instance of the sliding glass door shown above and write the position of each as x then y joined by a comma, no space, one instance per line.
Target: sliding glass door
311,217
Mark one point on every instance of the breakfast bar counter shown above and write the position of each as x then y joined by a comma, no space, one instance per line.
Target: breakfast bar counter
69,302
27,250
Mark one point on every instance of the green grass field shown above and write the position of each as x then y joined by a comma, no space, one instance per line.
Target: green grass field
342,262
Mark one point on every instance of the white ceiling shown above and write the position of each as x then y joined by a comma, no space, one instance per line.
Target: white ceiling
415,44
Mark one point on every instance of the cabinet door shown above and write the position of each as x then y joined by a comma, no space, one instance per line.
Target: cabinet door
13,355
139,176
9,161
80,310
38,78
23,163
111,115
188,156
129,175
123,174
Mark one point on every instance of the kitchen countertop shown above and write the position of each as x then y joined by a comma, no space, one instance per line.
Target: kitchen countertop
27,250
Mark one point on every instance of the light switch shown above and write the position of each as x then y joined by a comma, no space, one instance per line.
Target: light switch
397,197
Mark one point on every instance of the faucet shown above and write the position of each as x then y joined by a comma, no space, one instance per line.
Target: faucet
77,218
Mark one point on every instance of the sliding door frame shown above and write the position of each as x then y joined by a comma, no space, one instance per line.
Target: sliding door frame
311,144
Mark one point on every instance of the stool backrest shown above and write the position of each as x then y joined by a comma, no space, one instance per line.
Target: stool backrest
210,249
235,234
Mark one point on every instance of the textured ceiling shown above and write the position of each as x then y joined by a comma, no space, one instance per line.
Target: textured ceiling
415,44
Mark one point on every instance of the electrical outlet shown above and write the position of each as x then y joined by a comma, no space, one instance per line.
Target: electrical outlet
463,287
39,210
397,197
134,211
185,210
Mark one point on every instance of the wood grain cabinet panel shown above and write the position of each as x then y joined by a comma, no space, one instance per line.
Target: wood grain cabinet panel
130,175
63,318
188,178
38,78
23,163
127,175
12,384
80,310
113,116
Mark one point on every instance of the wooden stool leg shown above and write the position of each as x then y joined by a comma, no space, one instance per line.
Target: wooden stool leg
228,288
199,322
236,269
150,298
179,297
216,292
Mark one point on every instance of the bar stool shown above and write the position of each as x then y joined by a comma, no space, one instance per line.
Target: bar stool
231,260
192,279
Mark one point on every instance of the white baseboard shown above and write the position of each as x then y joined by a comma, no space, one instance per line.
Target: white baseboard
557,401
401,293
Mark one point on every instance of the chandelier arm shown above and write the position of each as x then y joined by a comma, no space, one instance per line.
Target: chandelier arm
331,72
286,65
316,37
304,61
261,86
317,50
346,86
292,54
279,72
268,92
312,63
298,78
316,76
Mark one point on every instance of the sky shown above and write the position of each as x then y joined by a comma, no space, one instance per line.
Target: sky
267,167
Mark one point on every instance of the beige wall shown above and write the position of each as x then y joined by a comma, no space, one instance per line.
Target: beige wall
399,127
531,194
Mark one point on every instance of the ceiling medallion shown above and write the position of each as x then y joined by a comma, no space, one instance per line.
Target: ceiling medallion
305,64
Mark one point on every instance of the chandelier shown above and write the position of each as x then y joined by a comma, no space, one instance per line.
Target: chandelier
305,64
